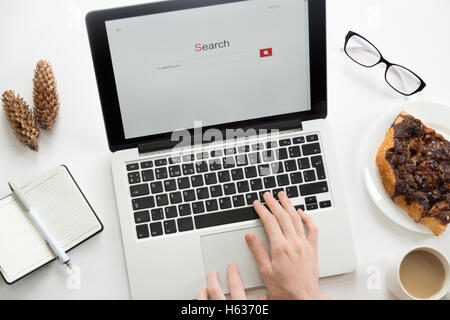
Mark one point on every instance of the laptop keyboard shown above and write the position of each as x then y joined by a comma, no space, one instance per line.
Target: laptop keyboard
217,187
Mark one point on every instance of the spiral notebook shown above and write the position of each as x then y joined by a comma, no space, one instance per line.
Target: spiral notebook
62,207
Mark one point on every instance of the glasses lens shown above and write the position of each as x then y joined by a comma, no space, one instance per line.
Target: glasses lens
402,79
362,51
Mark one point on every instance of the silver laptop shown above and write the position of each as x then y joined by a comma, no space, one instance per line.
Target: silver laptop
207,105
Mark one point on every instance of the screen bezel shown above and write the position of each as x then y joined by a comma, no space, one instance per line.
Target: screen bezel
96,27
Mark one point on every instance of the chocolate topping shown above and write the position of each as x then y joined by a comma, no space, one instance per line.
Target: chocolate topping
420,160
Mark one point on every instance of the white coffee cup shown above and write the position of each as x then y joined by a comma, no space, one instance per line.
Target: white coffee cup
396,286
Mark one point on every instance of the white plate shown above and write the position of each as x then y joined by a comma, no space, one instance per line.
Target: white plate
433,115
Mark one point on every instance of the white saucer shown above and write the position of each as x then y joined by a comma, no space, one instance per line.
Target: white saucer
433,115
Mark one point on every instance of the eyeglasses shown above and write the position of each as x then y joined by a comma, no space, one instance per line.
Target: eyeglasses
364,53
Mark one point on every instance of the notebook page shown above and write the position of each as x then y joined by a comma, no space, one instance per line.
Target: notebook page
62,208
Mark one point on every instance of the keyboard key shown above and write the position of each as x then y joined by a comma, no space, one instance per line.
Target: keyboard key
162,200
161,173
174,160
310,200
224,176
310,148
225,217
228,162
189,195
146,164
170,185
281,154
317,163
313,188
198,207
264,170
183,183
132,166
197,181
277,167
171,212
296,177
188,168
142,231
271,144
215,165
157,214
243,186
256,184
254,158
290,165
142,216
237,174
238,200
257,146
243,149
184,209
241,160
202,155
139,190
170,227
201,167
311,206
312,138
250,172
229,151
285,142
216,153
156,229
147,175
143,203
301,207
174,171
268,155
134,177
202,193
292,192
188,157
298,140
261,195
185,224
216,191
275,192
294,152
303,163
229,188
211,205
225,203
160,162
282,180
210,178
175,197
325,204
251,197
269,182
309,175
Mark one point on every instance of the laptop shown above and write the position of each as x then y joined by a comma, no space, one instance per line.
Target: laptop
208,105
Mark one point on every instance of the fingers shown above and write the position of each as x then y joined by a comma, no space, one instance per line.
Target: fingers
202,294
259,253
270,223
295,218
265,296
311,228
235,285
282,216
214,289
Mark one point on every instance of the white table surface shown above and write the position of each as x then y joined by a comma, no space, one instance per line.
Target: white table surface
411,32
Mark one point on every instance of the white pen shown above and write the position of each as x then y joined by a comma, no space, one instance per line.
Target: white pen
56,248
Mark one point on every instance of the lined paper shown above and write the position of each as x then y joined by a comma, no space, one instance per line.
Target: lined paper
60,205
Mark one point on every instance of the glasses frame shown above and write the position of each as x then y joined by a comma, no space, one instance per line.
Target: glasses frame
382,60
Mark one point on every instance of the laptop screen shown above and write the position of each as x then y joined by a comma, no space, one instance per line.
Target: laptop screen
210,65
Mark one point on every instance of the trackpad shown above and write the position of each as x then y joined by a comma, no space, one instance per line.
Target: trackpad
221,248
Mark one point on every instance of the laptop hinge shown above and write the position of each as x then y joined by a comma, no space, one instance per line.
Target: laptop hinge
294,124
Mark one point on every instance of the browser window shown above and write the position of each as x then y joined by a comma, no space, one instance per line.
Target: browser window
214,64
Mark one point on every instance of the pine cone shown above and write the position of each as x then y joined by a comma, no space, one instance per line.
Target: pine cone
21,119
45,95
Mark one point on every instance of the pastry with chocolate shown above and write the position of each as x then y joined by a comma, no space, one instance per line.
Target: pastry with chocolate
414,165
